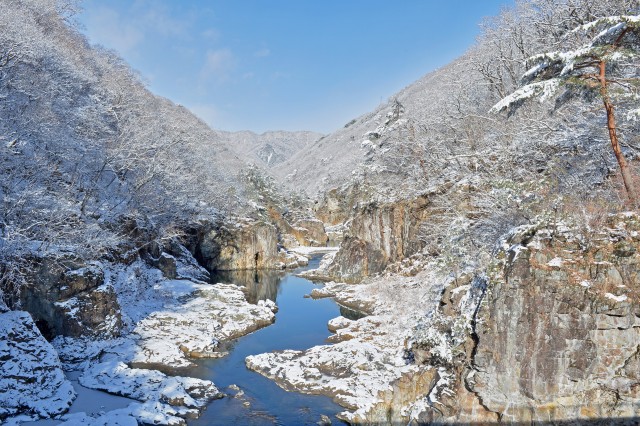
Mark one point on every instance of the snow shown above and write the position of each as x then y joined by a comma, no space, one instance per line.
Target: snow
31,377
153,413
620,298
369,353
556,261
308,251
544,89
167,322
633,114
148,385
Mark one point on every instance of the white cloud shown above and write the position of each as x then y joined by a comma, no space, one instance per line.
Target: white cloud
127,29
159,20
262,53
206,112
211,34
107,27
218,64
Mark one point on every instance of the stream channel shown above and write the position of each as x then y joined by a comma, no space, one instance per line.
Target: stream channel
300,324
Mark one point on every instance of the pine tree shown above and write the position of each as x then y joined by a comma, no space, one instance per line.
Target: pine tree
605,65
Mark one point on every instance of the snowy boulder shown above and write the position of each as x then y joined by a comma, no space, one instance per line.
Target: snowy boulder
31,378
149,385
338,323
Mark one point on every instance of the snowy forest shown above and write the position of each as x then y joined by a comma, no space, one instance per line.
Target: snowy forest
475,238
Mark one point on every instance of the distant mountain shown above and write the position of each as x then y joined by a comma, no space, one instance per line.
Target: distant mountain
268,149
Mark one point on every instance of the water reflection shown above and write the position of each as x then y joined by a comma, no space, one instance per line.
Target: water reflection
256,285
300,324
351,314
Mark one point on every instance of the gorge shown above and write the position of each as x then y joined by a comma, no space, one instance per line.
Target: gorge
439,260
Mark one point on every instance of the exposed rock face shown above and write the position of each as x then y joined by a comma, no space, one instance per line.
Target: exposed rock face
250,245
357,259
379,234
31,377
69,298
336,205
559,333
310,232
556,335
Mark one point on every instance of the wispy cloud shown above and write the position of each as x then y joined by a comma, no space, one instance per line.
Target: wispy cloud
109,28
211,34
126,30
206,112
218,65
158,19
262,53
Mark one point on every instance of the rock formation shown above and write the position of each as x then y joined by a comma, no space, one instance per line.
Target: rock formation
32,382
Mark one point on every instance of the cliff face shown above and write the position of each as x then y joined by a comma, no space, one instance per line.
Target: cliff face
556,335
380,234
69,298
559,331
250,244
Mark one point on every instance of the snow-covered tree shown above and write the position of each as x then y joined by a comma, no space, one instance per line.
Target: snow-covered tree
605,65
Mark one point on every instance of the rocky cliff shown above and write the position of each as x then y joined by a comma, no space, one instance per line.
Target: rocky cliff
380,234
247,244
556,334
550,331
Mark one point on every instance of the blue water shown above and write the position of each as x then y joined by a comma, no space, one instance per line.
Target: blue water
300,324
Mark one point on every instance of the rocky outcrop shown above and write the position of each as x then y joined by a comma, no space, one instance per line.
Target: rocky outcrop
336,205
69,298
31,379
247,245
380,234
559,333
309,232
551,334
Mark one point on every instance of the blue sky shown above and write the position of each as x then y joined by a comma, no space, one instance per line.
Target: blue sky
284,64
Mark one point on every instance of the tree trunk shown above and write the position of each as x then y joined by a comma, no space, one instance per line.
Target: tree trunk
613,136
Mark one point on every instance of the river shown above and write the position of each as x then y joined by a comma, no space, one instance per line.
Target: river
252,399
300,324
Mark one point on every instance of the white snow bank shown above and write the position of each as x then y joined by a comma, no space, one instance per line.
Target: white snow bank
148,385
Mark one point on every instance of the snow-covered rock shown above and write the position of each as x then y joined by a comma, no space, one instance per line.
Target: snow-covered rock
31,378
366,370
149,385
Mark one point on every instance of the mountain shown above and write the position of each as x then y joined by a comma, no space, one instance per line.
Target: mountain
268,149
